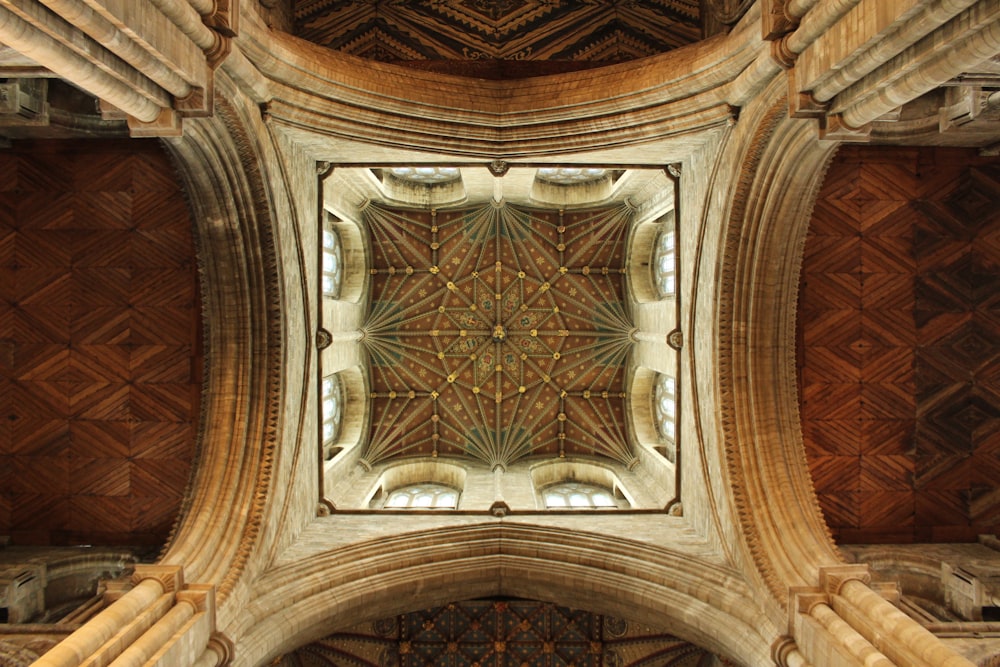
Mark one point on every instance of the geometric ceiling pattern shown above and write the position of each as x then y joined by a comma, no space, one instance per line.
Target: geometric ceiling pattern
497,332
560,30
899,321
499,633
100,345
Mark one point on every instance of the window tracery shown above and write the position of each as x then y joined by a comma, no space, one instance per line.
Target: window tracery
333,263
571,175
427,175
577,495
332,402
665,409
665,264
423,496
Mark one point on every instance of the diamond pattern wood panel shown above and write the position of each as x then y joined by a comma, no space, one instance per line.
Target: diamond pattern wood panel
899,345
497,36
100,356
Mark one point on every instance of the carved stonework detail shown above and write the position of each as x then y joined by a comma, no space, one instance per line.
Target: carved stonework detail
833,128
775,21
167,124
499,168
226,18
675,339
832,578
171,577
781,649
323,339
499,509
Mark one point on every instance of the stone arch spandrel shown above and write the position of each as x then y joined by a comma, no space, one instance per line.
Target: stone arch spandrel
693,598
765,220
222,165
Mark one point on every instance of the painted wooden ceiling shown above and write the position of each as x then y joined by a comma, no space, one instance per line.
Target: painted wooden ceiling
497,633
497,332
484,30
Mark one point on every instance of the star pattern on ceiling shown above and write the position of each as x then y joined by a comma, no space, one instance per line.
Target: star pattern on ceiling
497,332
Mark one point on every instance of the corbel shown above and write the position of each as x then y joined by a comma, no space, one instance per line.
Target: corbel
801,103
200,102
833,128
167,124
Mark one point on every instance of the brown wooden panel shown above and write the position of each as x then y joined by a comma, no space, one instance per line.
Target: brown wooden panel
916,432
99,329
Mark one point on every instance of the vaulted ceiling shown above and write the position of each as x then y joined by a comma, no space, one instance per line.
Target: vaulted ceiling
498,332
493,633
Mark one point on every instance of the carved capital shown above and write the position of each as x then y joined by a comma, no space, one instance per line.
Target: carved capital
226,18
199,596
774,20
171,577
167,124
833,128
781,649
833,577
200,102
783,55
223,647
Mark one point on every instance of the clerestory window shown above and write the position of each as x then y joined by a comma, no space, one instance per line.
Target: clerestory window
333,263
423,496
577,495
665,408
332,402
665,264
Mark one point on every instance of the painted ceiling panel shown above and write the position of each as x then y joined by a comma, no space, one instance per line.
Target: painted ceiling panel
498,332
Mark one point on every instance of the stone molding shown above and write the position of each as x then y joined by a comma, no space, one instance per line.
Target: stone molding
302,600
221,171
753,350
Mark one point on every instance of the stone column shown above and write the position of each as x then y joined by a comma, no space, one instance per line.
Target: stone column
115,627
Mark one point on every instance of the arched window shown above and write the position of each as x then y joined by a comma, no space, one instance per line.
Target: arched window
576,495
332,402
333,263
570,175
428,175
665,264
665,408
422,496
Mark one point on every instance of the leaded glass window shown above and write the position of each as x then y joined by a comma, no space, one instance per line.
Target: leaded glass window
570,175
333,263
423,496
577,495
665,264
428,175
332,402
666,407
